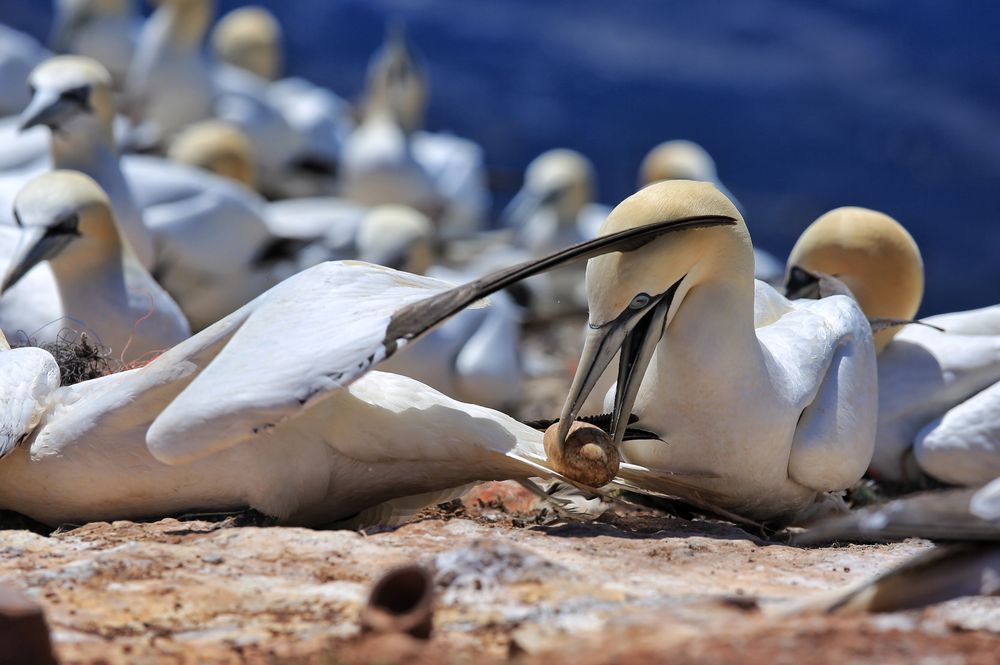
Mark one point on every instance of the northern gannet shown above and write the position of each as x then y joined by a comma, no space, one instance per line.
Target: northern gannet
216,146
67,221
168,84
686,160
297,128
104,30
210,234
473,357
72,96
312,436
554,208
939,387
772,403
442,173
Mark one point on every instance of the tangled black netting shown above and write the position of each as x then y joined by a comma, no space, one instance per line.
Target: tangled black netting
79,358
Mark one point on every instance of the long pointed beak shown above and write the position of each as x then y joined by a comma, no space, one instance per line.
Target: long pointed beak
47,109
635,334
37,244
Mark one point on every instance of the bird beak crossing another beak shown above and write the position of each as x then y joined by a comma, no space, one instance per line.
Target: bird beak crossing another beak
37,244
635,333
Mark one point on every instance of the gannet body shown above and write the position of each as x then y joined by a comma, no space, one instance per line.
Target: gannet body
312,436
67,220
939,387
169,84
297,128
104,30
686,160
554,209
19,54
28,377
767,404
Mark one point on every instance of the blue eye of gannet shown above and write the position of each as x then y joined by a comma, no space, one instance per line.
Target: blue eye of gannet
639,301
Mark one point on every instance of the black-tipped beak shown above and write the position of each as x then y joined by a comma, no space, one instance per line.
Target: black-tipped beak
635,333
37,244
46,109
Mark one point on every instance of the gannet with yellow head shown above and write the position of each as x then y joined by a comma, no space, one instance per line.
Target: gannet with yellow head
249,38
72,96
66,219
313,435
939,387
216,146
765,403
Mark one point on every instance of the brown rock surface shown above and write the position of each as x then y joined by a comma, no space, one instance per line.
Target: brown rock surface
628,588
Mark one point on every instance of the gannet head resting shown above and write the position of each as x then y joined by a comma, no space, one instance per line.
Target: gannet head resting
634,296
561,179
677,160
66,219
873,255
249,38
398,237
396,82
218,147
70,93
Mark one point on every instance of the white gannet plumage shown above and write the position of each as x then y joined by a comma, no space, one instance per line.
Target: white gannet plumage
474,356
767,416
73,98
312,437
67,221
680,159
169,84
104,30
27,378
201,233
939,387
19,54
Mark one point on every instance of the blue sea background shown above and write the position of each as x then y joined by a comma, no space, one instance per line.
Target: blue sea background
805,105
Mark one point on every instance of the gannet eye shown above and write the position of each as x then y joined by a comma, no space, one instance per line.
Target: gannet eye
79,96
639,301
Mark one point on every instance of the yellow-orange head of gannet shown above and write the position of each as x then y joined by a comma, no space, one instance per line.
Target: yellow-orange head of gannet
249,38
677,160
634,296
561,180
873,255
71,89
216,146
67,220
398,237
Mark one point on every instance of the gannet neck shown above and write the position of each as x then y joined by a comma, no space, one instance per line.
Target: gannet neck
82,148
181,23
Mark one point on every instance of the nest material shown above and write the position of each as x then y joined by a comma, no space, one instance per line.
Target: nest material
79,358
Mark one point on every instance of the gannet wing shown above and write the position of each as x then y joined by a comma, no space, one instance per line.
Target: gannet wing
827,356
962,447
321,329
27,377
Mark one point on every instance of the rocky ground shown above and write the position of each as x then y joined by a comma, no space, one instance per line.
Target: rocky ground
509,581
631,586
